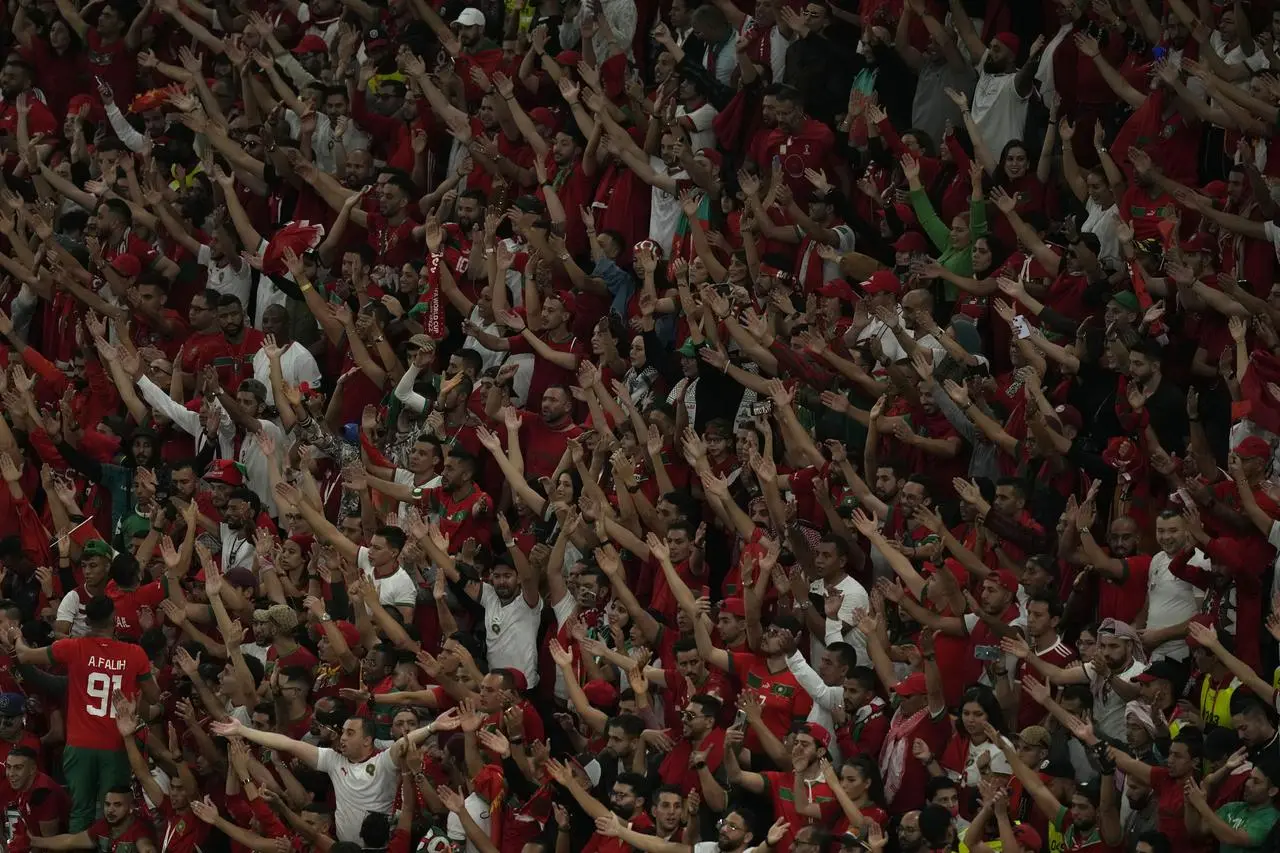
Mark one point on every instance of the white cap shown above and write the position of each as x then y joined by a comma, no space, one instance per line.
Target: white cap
471,17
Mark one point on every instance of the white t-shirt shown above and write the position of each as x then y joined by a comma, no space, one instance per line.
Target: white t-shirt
1102,223
71,609
297,365
237,548
998,110
1108,706
258,468
511,633
664,208
479,811
855,598
396,590
234,278
702,136
830,269
1171,601
359,789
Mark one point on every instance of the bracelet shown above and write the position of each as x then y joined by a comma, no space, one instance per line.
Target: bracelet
245,782
304,287
515,741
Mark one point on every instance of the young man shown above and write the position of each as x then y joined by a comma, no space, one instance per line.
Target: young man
98,666
364,780
120,828
36,805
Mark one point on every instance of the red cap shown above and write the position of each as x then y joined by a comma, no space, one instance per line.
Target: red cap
1198,242
882,281
224,471
820,735
544,117
522,683
1027,836
911,241
568,59
1010,41
734,607
1006,579
1201,619
350,633
912,685
568,300
837,288
1215,190
74,105
127,266
713,155
1069,416
310,43
1253,447
600,693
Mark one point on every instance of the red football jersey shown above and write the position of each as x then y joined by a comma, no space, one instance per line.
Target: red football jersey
96,667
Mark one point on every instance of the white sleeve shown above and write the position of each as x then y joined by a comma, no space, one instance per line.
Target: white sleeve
132,140
205,256
305,368
327,760
385,761
399,591
489,598
404,392
1273,537
68,607
363,562
187,420
970,622
823,694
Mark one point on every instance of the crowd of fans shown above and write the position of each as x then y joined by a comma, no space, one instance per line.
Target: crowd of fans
693,426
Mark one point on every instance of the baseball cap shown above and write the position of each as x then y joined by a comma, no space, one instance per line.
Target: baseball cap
912,685
734,607
1014,43
882,281
1198,242
376,38
12,704
422,341
819,733
1126,299
96,548
837,288
544,117
224,471
310,43
282,616
470,17
600,693
1027,836
127,266
1034,736
1163,670
1069,416
1252,447
911,241
1006,579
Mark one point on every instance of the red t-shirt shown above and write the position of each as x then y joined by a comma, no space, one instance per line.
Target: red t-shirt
26,810
301,656
1123,599
467,517
607,844
782,699
394,244
546,374
129,601
125,842
1170,814
542,444
96,667
183,831
115,63
785,795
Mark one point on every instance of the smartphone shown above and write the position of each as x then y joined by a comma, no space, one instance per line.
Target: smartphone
1022,327
758,409
986,652
740,719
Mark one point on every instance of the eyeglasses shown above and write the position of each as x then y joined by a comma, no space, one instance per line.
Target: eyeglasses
724,824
